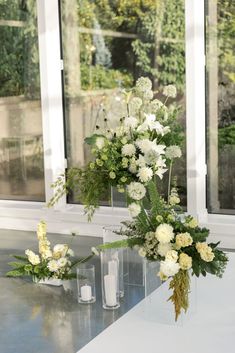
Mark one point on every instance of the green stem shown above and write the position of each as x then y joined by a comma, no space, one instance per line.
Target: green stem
82,261
169,181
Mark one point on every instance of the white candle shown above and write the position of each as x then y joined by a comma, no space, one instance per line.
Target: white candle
110,290
86,294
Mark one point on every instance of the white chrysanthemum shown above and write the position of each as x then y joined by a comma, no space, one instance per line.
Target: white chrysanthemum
145,174
142,252
136,191
134,209
173,152
170,91
130,122
62,262
128,150
100,142
169,268
185,261
162,249
143,84
145,145
135,104
164,233
53,266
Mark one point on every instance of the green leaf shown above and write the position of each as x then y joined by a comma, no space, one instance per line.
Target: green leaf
22,258
16,264
91,140
15,273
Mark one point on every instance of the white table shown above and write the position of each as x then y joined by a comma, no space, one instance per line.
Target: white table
210,328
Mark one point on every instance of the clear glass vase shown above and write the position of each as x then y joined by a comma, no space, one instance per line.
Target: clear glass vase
86,283
110,235
110,279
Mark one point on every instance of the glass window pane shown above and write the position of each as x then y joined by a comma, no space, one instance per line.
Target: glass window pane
221,106
113,44
21,147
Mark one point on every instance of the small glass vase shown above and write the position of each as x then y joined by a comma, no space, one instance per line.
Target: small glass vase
86,284
110,279
110,235
48,281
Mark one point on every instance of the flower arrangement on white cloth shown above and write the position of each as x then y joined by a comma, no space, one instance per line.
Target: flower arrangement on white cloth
49,263
140,148
161,234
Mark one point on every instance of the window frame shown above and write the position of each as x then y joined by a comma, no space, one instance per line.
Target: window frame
63,217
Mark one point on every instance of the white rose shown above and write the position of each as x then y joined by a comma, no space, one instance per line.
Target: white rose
136,190
145,174
162,249
61,248
134,209
172,255
173,152
100,142
164,233
169,268
170,91
128,150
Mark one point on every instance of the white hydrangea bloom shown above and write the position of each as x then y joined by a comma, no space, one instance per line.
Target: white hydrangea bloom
135,104
100,142
164,233
145,174
170,91
169,268
136,190
173,152
128,150
143,84
130,122
134,209
163,248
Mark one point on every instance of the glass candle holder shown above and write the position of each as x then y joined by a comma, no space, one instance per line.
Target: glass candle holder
86,283
109,236
110,279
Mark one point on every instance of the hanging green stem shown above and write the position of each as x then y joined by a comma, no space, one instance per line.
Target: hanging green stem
169,181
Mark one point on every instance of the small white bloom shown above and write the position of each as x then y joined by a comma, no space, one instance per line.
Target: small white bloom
142,252
145,174
133,167
100,142
128,150
130,122
135,104
53,265
148,95
61,248
164,233
46,254
160,172
170,91
134,209
173,152
156,105
143,84
169,268
95,251
162,249
136,190
62,262
145,145
70,252
141,162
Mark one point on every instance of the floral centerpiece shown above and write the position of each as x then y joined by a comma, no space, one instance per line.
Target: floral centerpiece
133,156
49,263
139,148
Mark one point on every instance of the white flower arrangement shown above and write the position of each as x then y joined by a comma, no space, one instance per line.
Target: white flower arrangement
56,263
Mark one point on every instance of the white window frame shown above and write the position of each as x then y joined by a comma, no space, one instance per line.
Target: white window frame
65,218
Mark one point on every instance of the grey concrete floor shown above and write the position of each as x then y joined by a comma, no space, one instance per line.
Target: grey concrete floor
38,318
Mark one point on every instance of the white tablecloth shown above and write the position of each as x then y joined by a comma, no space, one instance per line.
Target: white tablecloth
208,328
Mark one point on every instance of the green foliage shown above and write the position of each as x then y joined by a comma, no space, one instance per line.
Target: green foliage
227,136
